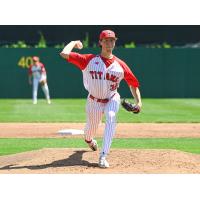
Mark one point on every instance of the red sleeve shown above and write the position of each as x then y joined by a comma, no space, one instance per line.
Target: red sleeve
80,60
42,68
128,74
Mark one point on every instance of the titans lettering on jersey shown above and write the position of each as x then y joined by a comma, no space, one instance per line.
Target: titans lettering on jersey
101,76
98,75
108,77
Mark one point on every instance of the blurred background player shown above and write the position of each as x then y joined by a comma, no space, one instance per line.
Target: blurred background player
37,74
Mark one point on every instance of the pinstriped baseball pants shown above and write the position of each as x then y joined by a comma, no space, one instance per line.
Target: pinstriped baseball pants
94,112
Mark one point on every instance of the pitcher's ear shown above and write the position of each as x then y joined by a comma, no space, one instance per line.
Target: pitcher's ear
100,43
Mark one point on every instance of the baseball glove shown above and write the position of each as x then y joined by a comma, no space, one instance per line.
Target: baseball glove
130,107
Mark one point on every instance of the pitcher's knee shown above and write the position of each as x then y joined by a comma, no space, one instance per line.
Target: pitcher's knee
111,117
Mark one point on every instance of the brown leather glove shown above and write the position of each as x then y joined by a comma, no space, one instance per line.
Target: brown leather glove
130,107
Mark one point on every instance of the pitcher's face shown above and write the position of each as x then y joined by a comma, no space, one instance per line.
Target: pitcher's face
108,44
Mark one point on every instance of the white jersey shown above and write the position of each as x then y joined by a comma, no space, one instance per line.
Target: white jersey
37,71
100,81
101,76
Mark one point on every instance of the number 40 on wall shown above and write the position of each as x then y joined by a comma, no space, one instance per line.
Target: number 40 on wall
25,62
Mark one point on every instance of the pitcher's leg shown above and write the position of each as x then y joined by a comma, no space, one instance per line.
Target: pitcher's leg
111,110
94,115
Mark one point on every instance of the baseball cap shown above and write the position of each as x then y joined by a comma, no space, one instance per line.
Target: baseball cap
35,58
107,34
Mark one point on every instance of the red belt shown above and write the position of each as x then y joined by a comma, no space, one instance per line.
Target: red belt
99,100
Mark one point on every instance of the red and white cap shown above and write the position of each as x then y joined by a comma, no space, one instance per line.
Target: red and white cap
107,34
35,58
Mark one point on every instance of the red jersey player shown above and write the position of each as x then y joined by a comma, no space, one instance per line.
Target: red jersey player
37,74
101,77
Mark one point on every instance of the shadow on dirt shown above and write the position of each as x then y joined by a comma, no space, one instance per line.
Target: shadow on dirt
75,159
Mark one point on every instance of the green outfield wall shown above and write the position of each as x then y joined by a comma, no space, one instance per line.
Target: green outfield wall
163,73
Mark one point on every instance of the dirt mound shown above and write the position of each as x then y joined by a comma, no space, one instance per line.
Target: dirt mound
73,161
85,161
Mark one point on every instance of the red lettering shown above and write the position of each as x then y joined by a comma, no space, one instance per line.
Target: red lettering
100,74
114,86
92,74
107,76
113,78
95,73
116,79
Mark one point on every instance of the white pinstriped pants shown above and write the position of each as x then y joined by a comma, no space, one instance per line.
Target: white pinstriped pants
95,111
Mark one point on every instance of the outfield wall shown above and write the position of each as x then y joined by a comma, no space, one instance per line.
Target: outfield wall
163,73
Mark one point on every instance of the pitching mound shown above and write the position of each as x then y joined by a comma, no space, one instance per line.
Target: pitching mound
73,161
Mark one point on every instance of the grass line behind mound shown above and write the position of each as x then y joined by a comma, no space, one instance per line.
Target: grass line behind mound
17,145
73,110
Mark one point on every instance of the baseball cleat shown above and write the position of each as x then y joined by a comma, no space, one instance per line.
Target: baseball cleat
49,101
92,144
103,162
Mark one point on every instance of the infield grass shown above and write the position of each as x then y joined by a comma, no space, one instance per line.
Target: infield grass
17,145
73,110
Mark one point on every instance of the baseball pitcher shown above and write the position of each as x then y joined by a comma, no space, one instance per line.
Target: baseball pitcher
101,77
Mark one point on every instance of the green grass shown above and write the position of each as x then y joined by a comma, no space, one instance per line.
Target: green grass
17,145
73,110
